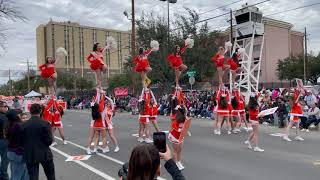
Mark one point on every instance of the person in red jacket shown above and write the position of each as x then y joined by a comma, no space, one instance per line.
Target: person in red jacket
254,119
295,114
96,62
176,62
48,71
219,59
142,65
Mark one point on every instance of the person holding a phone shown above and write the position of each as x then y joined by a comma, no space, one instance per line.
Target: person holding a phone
144,163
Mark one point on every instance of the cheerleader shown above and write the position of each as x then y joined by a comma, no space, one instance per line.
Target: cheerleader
235,114
224,109
176,61
218,59
239,111
53,113
254,119
142,64
295,114
98,125
154,112
109,113
144,116
96,59
48,72
233,63
178,118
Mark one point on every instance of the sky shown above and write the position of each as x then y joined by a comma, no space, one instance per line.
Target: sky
21,36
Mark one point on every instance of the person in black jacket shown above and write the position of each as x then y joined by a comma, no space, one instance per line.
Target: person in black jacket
3,142
15,146
37,139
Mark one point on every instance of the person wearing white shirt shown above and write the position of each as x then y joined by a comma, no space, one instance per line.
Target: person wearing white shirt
313,115
310,98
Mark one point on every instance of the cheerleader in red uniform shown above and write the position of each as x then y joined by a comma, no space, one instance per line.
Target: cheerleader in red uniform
240,110
98,124
176,62
53,113
154,112
295,114
254,119
218,59
224,109
178,118
96,62
233,63
109,113
142,65
48,72
144,116
235,114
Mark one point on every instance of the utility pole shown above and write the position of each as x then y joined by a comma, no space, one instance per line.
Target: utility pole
133,30
231,28
305,56
168,6
133,40
28,75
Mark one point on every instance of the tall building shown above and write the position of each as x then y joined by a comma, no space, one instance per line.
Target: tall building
280,42
78,40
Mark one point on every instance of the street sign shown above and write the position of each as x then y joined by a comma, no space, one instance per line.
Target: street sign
191,73
192,80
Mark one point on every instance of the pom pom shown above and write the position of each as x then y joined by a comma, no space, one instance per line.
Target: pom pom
242,50
189,42
111,43
154,45
228,44
61,53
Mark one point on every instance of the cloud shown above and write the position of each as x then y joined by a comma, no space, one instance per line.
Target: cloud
21,42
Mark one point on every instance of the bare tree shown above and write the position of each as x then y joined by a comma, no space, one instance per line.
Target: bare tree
8,12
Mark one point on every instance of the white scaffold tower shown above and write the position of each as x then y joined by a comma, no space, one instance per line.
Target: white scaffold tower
249,38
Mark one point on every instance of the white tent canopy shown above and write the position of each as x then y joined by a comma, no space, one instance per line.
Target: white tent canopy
33,94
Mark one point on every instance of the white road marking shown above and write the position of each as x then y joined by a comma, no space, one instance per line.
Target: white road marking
100,154
277,134
94,170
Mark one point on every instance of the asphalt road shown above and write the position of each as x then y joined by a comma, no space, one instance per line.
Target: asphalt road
205,156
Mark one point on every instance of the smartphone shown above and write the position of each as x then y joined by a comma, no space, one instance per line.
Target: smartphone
159,140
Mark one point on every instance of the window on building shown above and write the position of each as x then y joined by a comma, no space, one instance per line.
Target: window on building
255,17
243,18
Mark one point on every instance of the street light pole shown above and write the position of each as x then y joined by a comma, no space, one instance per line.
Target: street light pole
168,6
28,66
133,40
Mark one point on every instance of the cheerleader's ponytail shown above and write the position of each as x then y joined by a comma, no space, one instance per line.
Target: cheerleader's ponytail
223,102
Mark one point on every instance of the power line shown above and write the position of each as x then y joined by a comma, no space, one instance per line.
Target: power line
220,7
214,17
288,10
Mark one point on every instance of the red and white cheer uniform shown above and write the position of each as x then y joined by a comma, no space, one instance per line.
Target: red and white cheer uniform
176,60
141,62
